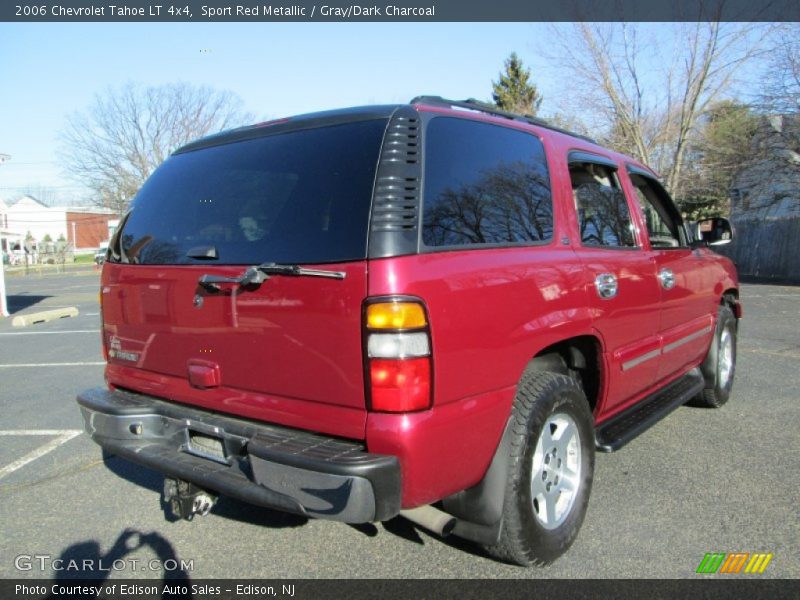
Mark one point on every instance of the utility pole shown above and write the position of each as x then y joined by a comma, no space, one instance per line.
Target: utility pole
3,302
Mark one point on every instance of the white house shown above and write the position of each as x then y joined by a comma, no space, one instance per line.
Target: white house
28,215
7,236
83,228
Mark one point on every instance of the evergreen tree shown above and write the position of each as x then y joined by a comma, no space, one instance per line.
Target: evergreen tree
722,147
514,92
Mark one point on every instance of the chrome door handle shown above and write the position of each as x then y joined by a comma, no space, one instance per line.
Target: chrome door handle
606,285
667,278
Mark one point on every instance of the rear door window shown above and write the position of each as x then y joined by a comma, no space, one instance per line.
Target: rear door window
484,184
604,217
297,197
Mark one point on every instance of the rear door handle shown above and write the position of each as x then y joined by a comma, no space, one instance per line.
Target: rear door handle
667,278
606,285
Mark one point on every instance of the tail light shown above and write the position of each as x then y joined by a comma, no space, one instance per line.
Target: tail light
398,355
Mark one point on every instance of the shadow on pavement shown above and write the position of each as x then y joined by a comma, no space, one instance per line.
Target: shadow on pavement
18,302
84,561
228,508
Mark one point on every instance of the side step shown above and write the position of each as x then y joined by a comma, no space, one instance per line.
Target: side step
622,428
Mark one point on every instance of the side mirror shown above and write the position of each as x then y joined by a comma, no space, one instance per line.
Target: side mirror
713,232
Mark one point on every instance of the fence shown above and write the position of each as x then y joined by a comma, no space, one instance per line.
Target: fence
768,249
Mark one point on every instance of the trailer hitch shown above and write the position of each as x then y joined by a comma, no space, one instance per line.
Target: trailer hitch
186,500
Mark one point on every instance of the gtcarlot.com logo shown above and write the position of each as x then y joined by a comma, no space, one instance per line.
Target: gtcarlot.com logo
734,563
44,562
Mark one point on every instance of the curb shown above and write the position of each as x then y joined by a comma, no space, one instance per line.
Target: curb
44,316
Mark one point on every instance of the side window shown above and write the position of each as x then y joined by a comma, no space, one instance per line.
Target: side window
484,184
603,214
662,218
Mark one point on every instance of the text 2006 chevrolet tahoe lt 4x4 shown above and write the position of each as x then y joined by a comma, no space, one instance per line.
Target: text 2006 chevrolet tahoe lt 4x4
438,310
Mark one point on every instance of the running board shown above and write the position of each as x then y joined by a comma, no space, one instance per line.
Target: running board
622,428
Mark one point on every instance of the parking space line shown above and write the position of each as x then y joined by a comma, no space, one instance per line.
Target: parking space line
50,332
39,432
66,364
64,437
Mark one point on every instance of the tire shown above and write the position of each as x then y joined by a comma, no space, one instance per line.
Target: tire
552,435
719,367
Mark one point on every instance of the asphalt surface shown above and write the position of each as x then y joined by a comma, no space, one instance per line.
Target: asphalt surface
700,481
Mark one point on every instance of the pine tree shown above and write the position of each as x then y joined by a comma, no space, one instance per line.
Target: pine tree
513,92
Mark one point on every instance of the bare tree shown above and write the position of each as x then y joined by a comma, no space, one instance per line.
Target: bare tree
781,84
647,96
114,145
46,195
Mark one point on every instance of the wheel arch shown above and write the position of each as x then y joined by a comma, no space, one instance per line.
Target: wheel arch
479,508
579,357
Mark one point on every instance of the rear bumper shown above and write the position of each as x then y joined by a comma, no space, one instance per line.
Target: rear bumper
267,465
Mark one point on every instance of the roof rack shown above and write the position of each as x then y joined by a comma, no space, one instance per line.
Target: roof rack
477,105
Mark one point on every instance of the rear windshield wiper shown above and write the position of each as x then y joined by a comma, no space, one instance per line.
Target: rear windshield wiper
258,274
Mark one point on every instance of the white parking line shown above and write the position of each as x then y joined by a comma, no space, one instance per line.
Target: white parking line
11,432
50,332
66,364
63,436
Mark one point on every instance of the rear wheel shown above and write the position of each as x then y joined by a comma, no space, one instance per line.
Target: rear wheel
550,470
719,366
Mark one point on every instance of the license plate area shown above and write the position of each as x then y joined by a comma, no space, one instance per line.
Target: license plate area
211,443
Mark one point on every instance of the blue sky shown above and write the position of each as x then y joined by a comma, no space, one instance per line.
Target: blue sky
49,70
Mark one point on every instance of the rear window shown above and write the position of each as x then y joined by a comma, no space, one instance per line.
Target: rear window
297,197
484,184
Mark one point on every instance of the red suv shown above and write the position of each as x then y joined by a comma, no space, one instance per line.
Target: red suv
438,310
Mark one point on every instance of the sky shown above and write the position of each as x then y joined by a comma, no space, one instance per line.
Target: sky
49,70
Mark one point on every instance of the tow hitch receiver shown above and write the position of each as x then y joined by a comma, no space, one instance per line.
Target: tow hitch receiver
186,499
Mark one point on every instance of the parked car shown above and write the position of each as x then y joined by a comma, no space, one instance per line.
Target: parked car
438,310
100,256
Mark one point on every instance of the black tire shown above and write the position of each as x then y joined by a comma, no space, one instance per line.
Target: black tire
719,378
546,398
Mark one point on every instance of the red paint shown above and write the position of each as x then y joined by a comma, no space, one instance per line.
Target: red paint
288,352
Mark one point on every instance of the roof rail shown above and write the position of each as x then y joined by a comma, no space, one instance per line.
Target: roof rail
477,105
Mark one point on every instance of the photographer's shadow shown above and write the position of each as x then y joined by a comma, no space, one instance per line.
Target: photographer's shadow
85,560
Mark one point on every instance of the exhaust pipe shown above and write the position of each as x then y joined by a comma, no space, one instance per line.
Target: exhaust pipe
431,518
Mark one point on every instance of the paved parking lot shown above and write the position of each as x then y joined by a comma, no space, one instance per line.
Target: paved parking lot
701,481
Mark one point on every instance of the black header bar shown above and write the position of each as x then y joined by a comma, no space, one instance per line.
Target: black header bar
370,589
397,10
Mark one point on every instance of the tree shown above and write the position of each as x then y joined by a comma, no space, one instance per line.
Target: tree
113,146
724,143
781,83
647,97
513,92
46,195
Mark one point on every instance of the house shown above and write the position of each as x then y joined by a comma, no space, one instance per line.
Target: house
8,238
83,228
765,203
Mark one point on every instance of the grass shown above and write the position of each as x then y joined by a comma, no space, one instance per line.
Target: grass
84,259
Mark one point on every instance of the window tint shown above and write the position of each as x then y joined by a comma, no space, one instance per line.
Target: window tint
484,184
661,216
298,197
603,214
